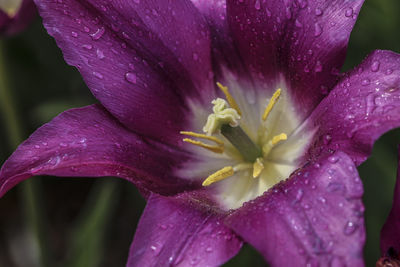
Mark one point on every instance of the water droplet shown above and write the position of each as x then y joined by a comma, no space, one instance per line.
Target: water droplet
100,54
349,12
298,23
318,67
389,71
375,66
131,77
136,1
98,34
87,46
209,249
86,29
74,34
98,75
195,56
365,82
333,159
257,5
349,228
317,30
318,11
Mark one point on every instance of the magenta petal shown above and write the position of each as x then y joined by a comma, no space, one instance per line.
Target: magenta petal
315,218
363,106
304,40
134,58
175,231
390,235
90,142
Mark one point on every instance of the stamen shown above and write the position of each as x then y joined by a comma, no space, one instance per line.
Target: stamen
229,98
278,138
271,104
219,175
258,166
207,137
215,149
273,142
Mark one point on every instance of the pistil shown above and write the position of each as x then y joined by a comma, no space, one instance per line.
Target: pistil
242,142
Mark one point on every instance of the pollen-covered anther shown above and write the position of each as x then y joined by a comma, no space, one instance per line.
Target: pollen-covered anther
219,148
271,104
219,175
258,167
212,148
273,142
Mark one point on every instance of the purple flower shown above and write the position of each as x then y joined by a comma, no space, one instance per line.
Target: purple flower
15,15
271,128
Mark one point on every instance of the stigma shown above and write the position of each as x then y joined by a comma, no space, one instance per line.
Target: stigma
225,122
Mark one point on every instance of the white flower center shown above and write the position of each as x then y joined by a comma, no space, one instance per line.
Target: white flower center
249,146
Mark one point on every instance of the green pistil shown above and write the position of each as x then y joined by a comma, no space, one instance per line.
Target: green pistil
242,142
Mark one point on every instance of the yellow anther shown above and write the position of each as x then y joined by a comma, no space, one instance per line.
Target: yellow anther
207,137
232,102
258,166
219,175
274,141
271,104
215,149
278,138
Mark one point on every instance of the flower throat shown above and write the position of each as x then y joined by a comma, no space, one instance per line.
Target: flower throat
225,120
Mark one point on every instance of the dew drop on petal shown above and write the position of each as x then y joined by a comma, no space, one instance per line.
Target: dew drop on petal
74,34
98,34
87,46
257,5
98,75
100,54
365,82
131,77
349,12
349,228
318,11
375,66
317,30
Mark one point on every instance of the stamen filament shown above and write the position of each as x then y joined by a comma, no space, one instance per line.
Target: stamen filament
271,104
207,137
219,175
232,102
215,149
258,167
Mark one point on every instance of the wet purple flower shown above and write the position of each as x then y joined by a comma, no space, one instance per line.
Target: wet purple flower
272,132
15,15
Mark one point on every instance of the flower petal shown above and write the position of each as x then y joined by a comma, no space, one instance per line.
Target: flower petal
304,40
134,58
176,231
363,106
90,142
390,235
315,218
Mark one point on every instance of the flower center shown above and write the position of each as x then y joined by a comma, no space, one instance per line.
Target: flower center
252,140
225,120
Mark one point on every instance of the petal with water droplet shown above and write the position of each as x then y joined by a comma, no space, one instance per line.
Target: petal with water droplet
195,234
91,142
316,227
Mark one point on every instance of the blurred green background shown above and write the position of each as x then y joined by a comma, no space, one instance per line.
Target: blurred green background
91,222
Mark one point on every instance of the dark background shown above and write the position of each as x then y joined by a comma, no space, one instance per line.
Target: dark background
90,222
